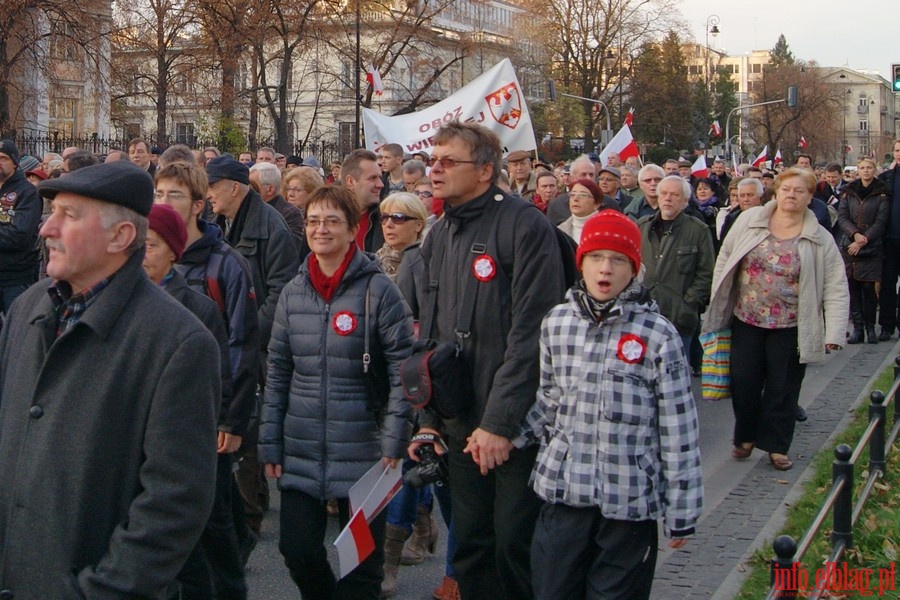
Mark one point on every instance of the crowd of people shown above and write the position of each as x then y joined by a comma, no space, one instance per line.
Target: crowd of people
182,326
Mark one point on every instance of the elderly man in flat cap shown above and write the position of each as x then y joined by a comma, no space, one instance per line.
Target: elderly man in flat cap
20,217
108,396
522,178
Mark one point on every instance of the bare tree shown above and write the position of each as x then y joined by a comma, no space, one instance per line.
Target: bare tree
589,44
161,34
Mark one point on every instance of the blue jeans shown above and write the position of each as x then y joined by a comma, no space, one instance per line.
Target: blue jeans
402,509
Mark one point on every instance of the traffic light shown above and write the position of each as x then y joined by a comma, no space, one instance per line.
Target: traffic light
895,72
792,96
551,88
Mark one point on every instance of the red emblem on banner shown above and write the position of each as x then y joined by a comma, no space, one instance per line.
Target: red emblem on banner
631,349
484,268
506,105
344,322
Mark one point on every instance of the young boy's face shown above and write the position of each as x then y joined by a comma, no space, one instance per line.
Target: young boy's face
606,273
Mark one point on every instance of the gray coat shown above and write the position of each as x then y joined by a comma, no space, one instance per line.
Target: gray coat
107,442
317,418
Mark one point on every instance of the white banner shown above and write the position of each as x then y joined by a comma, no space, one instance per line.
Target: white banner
494,99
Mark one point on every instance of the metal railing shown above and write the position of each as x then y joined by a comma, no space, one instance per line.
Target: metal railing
787,577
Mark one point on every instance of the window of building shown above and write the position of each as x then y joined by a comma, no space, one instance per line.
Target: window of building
863,148
756,68
863,125
62,41
184,134
345,136
63,116
863,101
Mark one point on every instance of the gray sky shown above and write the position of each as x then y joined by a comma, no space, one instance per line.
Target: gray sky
832,33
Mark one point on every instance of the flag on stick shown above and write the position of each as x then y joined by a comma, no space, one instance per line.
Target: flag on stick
629,118
699,169
715,129
759,160
622,144
374,79
803,144
778,160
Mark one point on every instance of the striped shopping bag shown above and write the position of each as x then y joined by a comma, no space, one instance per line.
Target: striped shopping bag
716,365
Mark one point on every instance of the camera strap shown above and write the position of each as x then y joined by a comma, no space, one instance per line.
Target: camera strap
429,438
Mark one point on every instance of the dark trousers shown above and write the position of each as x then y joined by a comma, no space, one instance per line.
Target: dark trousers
863,303
578,553
215,563
494,517
251,479
890,271
303,523
766,376
9,293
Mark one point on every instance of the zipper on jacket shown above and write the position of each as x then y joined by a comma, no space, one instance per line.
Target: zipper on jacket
324,393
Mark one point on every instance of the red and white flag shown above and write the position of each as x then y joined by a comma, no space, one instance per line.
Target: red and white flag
354,544
629,118
622,144
699,169
374,79
803,144
759,160
715,129
778,160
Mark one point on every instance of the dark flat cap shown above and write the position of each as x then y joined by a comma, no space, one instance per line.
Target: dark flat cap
612,171
517,155
119,182
225,167
295,160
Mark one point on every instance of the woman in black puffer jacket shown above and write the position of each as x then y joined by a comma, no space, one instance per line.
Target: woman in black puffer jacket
323,423
862,218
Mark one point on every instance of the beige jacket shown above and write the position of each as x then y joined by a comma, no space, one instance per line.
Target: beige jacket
824,296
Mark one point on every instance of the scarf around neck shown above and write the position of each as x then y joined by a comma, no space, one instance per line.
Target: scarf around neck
324,285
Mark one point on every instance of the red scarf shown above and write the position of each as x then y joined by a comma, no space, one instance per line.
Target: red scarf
323,284
363,230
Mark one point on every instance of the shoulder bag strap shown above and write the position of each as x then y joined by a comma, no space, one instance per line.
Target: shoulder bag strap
470,288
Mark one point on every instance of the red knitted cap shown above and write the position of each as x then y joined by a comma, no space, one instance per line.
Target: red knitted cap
168,225
611,230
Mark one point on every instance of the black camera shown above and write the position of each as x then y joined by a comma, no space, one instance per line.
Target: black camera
431,468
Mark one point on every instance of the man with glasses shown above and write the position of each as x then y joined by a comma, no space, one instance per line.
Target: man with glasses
609,184
494,510
259,233
648,178
413,172
425,193
582,168
521,175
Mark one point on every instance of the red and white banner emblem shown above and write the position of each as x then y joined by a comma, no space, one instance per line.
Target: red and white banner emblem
484,268
506,105
344,322
631,349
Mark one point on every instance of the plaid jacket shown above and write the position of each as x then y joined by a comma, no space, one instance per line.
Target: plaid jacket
615,415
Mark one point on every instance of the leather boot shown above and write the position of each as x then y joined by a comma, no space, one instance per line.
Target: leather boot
423,540
856,337
394,537
856,316
871,336
448,590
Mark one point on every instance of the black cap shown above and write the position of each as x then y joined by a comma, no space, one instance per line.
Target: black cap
225,167
9,148
119,182
295,160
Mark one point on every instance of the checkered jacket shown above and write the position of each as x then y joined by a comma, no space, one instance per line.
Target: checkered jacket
615,415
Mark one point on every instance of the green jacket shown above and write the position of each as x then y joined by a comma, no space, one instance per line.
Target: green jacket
679,268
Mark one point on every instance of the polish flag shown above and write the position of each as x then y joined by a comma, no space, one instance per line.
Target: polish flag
374,79
759,160
699,169
629,118
778,160
715,129
622,144
354,544
803,144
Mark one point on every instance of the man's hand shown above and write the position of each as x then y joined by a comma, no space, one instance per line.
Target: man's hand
226,443
389,463
438,448
678,543
488,450
273,471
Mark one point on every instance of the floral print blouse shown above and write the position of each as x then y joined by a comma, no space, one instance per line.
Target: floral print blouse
769,284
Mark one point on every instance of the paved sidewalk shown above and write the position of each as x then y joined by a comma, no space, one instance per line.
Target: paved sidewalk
752,511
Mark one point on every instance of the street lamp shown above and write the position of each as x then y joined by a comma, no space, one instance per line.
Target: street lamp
712,27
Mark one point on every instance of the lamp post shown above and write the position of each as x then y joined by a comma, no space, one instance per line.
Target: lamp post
712,27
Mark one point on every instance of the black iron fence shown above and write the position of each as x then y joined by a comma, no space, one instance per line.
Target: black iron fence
39,144
788,579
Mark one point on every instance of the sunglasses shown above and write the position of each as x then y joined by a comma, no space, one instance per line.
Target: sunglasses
397,218
448,163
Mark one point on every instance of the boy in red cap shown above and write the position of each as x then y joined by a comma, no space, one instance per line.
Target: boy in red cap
618,428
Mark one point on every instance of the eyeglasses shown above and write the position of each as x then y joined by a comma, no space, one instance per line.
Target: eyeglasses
171,195
294,189
652,180
615,259
329,223
448,163
397,218
425,194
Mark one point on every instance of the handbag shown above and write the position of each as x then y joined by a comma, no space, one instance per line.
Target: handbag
437,374
866,251
715,367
